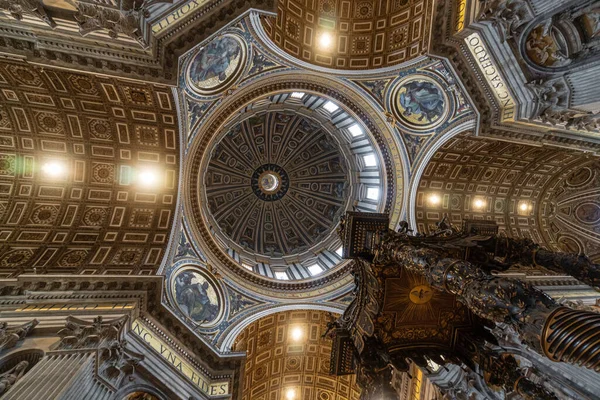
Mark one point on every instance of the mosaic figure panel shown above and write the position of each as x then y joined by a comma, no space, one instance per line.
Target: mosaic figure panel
197,297
217,65
420,103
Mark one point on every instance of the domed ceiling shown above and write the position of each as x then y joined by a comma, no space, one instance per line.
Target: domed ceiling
277,176
276,184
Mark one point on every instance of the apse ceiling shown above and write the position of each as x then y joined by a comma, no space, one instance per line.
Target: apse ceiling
287,358
88,172
352,34
550,195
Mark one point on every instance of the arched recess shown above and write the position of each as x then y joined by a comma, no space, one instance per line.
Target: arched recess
358,107
361,35
227,341
260,32
287,357
540,193
420,165
32,356
136,392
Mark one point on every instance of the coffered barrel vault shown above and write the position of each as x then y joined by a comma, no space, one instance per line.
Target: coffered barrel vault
96,215
546,194
363,34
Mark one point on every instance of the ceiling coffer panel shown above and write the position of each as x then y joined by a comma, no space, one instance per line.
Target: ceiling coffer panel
78,154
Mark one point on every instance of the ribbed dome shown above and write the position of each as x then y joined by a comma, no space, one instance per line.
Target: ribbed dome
276,184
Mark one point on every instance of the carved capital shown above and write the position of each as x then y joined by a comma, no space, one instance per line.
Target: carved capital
80,334
10,336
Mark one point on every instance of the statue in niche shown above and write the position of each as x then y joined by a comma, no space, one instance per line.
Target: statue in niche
10,377
546,46
196,297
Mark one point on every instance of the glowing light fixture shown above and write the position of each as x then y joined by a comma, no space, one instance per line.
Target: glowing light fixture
330,106
296,333
325,40
373,193
434,199
315,269
147,177
290,394
355,130
525,206
54,169
370,160
478,203
297,95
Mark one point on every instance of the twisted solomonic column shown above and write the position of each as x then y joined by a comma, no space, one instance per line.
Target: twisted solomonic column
561,333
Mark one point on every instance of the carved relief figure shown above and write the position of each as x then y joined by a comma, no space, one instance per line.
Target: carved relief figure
215,63
591,23
196,297
10,377
17,8
546,47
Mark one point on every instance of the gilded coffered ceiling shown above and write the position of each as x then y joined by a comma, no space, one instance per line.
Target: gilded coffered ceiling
75,154
547,194
286,354
363,34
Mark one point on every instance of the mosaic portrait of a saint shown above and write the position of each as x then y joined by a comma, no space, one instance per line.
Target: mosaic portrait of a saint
216,63
196,297
421,103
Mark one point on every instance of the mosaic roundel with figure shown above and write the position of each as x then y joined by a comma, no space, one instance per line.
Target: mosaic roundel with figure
217,65
420,103
197,296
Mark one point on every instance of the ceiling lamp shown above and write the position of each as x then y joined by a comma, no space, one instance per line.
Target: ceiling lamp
434,199
54,169
478,203
296,334
290,394
325,41
147,177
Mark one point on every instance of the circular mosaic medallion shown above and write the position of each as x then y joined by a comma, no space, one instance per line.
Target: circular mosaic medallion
217,65
420,103
197,296
270,182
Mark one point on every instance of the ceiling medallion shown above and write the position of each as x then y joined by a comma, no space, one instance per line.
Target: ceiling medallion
270,182
420,103
217,65
197,295
420,294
